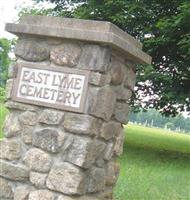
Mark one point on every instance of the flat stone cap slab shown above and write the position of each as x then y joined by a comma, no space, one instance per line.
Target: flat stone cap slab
85,30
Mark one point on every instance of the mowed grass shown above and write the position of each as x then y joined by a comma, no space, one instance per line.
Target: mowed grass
155,164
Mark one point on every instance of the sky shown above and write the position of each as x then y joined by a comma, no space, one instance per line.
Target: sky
9,13
9,10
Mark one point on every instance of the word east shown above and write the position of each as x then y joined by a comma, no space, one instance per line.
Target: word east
55,87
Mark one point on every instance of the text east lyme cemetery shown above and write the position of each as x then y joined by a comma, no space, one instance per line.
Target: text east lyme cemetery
56,87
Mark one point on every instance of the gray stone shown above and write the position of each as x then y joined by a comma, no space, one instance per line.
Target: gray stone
38,179
99,79
95,58
81,124
121,112
22,192
13,172
106,194
84,151
68,54
49,139
85,30
31,50
20,106
42,195
12,70
10,149
118,148
51,117
96,180
5,189
54,41
122,93
109,150
9,86
86,197
27,134
61,197
110,129
130,79
102,102
118,71
112,173
12,126
67,178
29,118
37,160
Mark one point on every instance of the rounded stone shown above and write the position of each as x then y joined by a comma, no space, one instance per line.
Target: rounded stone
38,160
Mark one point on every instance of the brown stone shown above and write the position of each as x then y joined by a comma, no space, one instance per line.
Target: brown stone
38,160
51,117
96,179
102,102
112,173
31,50
13,172
99,79
22,192
108,152
38,179
29,118
27,133
110,129
10,149
130,79
12,126
121,112
122,93
118,148
12,70
9,86
68,54
42,195
81,124
118,71
84,151
49,139
20,106
5,189
67,179
95,58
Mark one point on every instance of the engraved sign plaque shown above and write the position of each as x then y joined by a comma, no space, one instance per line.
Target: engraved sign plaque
56,87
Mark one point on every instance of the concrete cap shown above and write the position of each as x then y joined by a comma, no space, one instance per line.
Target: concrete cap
85,30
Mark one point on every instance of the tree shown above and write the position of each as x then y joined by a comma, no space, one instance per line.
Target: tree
5,47
164,29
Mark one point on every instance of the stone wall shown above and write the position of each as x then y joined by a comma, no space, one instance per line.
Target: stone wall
49,154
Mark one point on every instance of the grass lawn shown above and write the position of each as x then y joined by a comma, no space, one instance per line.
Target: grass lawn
155,164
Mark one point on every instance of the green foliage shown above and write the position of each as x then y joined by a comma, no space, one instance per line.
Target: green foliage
163,27
2,95
5,47
3,113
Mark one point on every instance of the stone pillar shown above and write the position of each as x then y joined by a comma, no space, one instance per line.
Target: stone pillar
68,95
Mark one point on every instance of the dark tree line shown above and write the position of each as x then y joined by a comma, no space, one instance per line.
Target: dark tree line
154,118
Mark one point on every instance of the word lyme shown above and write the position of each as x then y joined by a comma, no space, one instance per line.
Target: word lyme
60,80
